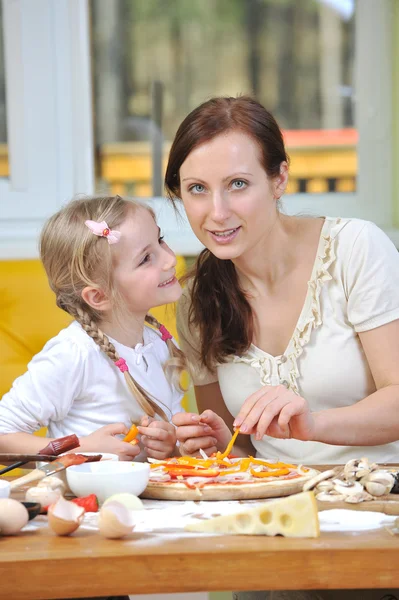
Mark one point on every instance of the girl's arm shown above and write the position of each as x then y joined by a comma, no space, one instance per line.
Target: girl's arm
22,443
45,393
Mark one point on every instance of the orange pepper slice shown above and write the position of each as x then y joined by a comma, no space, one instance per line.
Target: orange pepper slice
229,445
276,473
278,465
196,462
132,434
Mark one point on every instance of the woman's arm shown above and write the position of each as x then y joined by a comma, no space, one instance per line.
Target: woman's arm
373,421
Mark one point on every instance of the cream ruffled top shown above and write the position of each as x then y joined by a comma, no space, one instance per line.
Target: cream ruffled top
354,287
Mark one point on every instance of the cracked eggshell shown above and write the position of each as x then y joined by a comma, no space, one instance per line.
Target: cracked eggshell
115,520
13,516
64,517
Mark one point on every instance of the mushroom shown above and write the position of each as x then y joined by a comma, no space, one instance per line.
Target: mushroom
356,469
325,486
309,485
360,497
347,488
326,497
378,483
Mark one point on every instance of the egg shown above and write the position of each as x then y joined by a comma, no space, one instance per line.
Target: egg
13,516
117,516
44,495
64,517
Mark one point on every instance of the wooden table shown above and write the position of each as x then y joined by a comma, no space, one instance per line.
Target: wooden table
41,565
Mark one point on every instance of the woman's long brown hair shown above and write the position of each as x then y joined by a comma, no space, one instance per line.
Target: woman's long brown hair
219,308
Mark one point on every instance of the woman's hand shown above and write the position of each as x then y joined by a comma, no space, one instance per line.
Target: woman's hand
277,412
207,431
104,440
158,438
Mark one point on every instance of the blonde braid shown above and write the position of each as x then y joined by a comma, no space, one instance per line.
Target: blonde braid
150,407
176,364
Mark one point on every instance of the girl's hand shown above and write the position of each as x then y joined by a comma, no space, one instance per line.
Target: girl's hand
207,431
104,440
158,438
278,412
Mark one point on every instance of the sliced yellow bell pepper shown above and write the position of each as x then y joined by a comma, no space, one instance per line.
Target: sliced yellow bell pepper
229,445
276,473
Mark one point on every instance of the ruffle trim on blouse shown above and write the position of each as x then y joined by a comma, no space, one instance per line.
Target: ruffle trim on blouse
312,320
262,363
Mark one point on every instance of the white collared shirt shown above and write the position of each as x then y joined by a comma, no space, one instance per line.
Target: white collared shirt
71,386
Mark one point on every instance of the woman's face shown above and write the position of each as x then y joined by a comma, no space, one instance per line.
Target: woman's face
229,199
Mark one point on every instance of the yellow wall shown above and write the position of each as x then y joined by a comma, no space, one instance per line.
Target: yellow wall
29,316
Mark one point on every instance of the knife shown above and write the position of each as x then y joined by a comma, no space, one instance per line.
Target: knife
54,448
60,464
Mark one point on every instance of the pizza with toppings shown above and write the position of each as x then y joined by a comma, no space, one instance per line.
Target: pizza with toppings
223,477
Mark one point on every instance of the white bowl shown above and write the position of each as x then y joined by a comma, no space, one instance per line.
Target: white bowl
107,456
107,478
4,489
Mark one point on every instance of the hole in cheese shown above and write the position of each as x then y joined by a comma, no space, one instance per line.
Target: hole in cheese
266,517
243,521
286,520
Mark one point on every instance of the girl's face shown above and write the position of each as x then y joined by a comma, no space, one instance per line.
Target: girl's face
229,199
144,273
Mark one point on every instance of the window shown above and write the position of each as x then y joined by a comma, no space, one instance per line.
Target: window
3,126
154,61
50,111
49,132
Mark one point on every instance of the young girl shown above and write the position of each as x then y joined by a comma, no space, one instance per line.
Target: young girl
115,365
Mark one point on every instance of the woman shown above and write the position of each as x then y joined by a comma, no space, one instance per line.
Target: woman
290,324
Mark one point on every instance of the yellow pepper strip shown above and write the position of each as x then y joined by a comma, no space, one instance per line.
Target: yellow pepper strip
276,473
196,462
224,463
278,465
244,464
230,471
132,434
229,445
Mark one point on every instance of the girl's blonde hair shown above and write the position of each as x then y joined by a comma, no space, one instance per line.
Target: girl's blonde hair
75,258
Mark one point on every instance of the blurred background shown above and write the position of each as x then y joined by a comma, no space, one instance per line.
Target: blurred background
153,61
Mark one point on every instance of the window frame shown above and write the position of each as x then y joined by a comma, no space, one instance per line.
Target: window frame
50,139
48,169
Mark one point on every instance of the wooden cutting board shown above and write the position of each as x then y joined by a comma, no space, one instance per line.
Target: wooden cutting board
388,504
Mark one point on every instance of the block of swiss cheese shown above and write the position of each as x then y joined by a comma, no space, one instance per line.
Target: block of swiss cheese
293,516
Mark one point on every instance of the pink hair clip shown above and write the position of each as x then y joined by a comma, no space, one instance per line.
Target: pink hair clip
165,333
102,230
121,364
